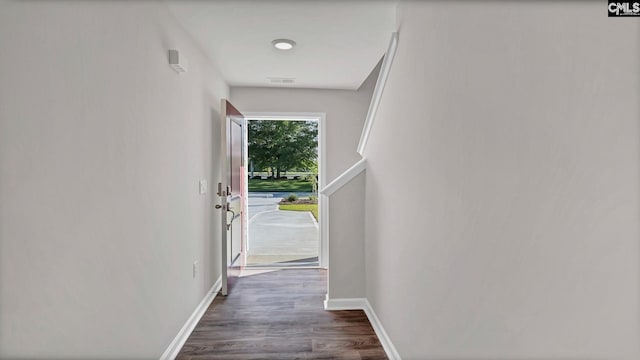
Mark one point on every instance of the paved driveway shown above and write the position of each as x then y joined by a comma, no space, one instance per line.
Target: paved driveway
261,204
284,237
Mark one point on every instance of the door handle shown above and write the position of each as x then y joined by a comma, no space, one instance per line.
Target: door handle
233,213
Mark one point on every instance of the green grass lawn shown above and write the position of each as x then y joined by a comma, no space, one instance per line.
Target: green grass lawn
258,185
302,207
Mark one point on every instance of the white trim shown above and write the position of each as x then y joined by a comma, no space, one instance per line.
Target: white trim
178,342
323,211
345,304
345,177
323,206
377,92
363,304
384,338
276,115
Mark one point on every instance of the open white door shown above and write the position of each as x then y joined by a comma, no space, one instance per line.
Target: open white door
232,193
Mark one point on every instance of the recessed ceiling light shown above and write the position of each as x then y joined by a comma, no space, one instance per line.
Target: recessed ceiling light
283,44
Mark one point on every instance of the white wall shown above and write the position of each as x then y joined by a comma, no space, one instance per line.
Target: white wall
102,145
513,233
345,114
346,248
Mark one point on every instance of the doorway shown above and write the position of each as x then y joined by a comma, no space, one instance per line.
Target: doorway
284,157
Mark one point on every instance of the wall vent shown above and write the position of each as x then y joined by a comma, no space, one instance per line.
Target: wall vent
279,80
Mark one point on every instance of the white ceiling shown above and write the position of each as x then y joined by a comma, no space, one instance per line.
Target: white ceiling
338,42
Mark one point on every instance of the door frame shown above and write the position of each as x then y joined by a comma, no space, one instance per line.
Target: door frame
323,208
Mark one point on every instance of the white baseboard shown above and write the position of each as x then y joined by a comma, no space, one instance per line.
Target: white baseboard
345,304
391,351
178,342
363,304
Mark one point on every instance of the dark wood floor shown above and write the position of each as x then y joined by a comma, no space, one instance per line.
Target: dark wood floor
280,315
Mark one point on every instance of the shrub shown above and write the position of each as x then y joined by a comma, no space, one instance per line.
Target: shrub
292,197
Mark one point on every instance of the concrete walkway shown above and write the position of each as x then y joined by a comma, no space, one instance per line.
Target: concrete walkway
261,204
282,237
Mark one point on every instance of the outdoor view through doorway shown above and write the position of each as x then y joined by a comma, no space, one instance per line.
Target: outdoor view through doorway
283,193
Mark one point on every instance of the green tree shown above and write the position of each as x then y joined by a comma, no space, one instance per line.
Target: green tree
283,145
